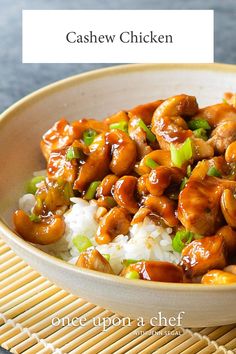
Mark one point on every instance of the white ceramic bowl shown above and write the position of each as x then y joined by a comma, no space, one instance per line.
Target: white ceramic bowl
98,94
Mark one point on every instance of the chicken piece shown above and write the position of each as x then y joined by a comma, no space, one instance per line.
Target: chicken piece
222,118
123,151
61,135
92,259
156,271
163,207
114,223
161,177
218,277
60,167
96,166
124,193
140,137
202,255
199,204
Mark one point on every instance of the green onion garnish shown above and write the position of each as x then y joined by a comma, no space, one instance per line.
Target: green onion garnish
32,185
189,171
122,125
89,136
73,153
90,193
132,275
151,163
68,191
34,218
200,133
213,172
127,262
110,201
199,123
81,242
150,136
107,256
183,183
224,101
181,239
181,155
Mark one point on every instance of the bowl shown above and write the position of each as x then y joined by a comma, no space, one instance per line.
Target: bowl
98,94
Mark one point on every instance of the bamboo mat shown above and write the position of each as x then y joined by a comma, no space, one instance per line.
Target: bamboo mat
29,302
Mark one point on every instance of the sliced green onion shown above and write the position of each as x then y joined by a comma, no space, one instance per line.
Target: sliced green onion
110,201
132,275
151,163
127,262
181,239
224,101
89,136
107,256
150,136
81,242
73,153
199,123
34,218
68,191
200,133
189,171
32,185
183,183
122,125
90,193
213,172
181,155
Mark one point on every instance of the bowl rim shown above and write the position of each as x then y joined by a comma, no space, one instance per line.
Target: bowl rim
78,79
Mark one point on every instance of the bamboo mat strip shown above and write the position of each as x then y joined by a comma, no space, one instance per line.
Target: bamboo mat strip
30,302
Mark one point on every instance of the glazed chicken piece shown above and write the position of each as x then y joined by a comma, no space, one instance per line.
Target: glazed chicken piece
60,167
96,166
61,135
155,271
202,255
201,205
169,125
92,259
222,118
144,112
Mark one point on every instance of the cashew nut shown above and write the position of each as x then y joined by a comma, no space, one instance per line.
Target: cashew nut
229,236
228,207
230,153
124,190
161,157
164,207
218,277
123,150
106,186
50,229
115,222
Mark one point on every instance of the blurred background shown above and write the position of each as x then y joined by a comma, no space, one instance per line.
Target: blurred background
17,79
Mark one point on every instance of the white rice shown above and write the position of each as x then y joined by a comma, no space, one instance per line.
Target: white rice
144,241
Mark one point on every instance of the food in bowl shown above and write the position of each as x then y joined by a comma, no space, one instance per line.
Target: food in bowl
147,193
